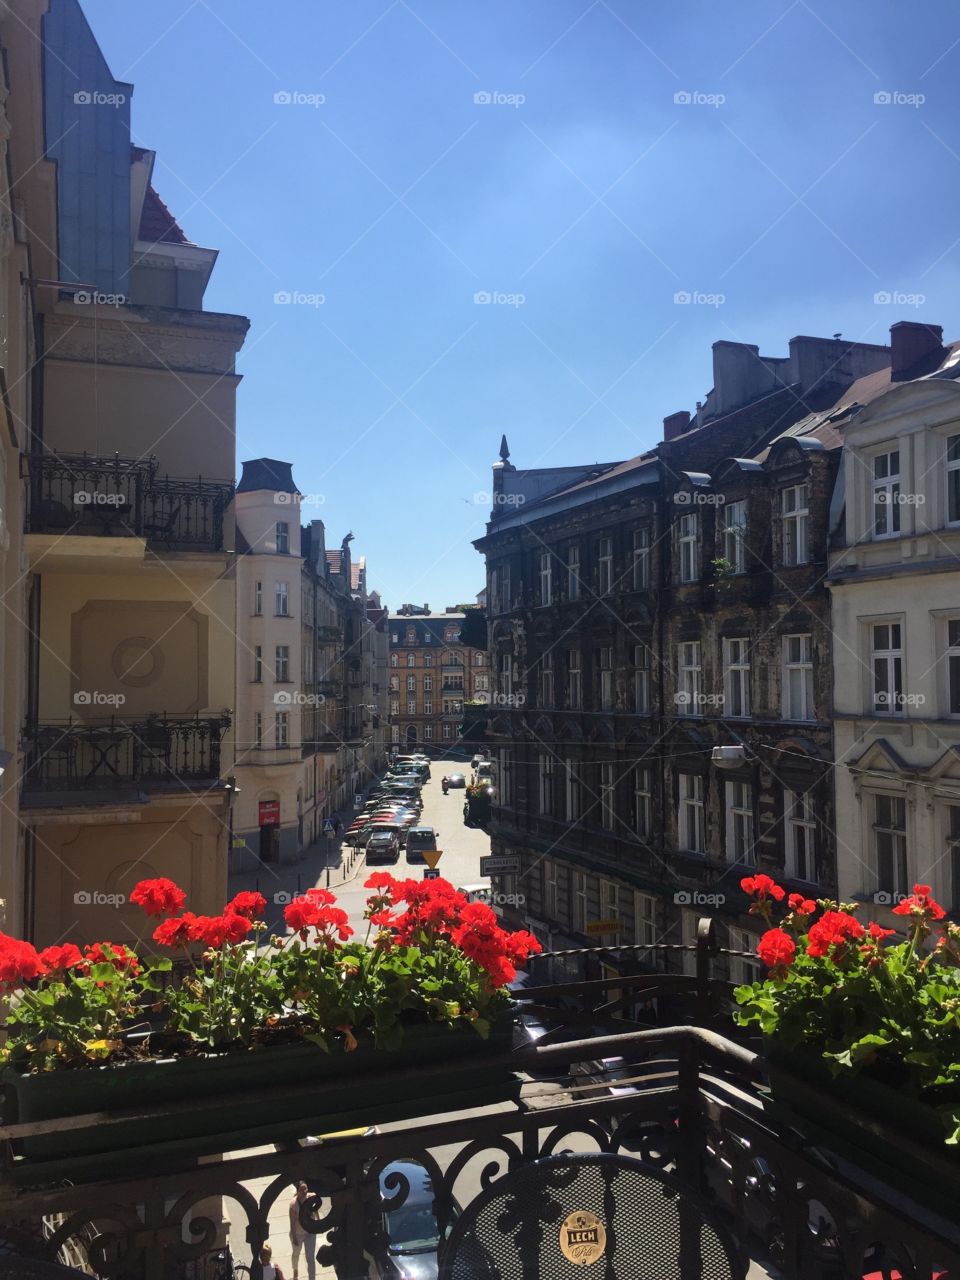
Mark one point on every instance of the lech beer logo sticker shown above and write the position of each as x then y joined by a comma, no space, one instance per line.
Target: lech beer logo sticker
583,1237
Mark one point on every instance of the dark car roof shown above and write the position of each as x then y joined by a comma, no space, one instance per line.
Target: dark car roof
421,1188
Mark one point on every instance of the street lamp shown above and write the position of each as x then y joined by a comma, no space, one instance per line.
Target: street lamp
729,757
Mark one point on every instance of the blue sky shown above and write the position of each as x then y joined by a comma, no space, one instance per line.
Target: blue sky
579,194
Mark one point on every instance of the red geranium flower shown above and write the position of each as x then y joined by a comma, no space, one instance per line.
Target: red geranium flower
878,933
762,886
833,929
19,962
112,953
178,931
247,903
380,880
920,905
61,958
800,905
777,949
160,897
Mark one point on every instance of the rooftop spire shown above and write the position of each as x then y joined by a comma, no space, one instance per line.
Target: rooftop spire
504,449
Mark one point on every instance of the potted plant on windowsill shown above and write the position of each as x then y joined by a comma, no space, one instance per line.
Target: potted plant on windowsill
849,1013
106,1029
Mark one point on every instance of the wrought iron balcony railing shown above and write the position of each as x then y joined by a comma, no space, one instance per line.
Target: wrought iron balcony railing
682,1107
116,497
164,751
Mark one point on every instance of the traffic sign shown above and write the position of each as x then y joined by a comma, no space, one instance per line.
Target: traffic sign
432,856
430,873
328,827
357,800
603,926
500,864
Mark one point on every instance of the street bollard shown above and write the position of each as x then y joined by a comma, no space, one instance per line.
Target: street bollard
328,875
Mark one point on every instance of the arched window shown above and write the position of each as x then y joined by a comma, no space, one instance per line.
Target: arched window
411,635
428,659
411,659
394,660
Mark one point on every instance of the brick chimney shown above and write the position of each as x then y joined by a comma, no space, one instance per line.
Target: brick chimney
913,347
676,424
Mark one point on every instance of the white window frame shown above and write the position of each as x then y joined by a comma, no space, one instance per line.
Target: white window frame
734,529
895,837
951,498
609,900
506,675
885,494
795,524
643,800
281,663
546,680
580,905
951,667
411,706
691,830
644,920
741,828
641,679
428,706
886,667
571,791
281,600
411,684
605,669
546,577
743,971
574,680
447,732
258,599
281,729
799,836
604,566
427,683
411,659
257,663
640,567
608,790
258,728
551,890
573,572
736,678
689,678
803,665
427,731
394,706
688,547
545,784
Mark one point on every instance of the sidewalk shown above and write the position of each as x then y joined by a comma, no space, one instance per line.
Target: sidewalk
279,881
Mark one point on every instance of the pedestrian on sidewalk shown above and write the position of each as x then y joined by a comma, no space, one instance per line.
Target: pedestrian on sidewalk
270,1269
337,824
300,1237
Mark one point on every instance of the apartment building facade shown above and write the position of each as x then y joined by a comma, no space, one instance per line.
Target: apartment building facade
310,670
431,674
895,586
660,641
126,743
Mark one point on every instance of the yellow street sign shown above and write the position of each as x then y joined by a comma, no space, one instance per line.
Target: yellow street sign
603,926
431,857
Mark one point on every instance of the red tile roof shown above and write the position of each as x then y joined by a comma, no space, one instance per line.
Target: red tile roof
157,223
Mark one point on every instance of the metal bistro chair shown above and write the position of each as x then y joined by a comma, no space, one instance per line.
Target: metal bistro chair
606,1217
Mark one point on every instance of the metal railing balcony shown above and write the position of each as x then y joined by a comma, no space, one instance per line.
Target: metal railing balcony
683,1108
161,750
86,495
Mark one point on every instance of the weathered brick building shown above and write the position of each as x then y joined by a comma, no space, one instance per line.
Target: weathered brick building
660,645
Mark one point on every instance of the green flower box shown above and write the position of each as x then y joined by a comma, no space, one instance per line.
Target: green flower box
176,1107
889,1132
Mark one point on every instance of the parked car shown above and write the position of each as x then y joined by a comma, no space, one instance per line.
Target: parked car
456,780
388,824
383,848
418,839
410,1233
